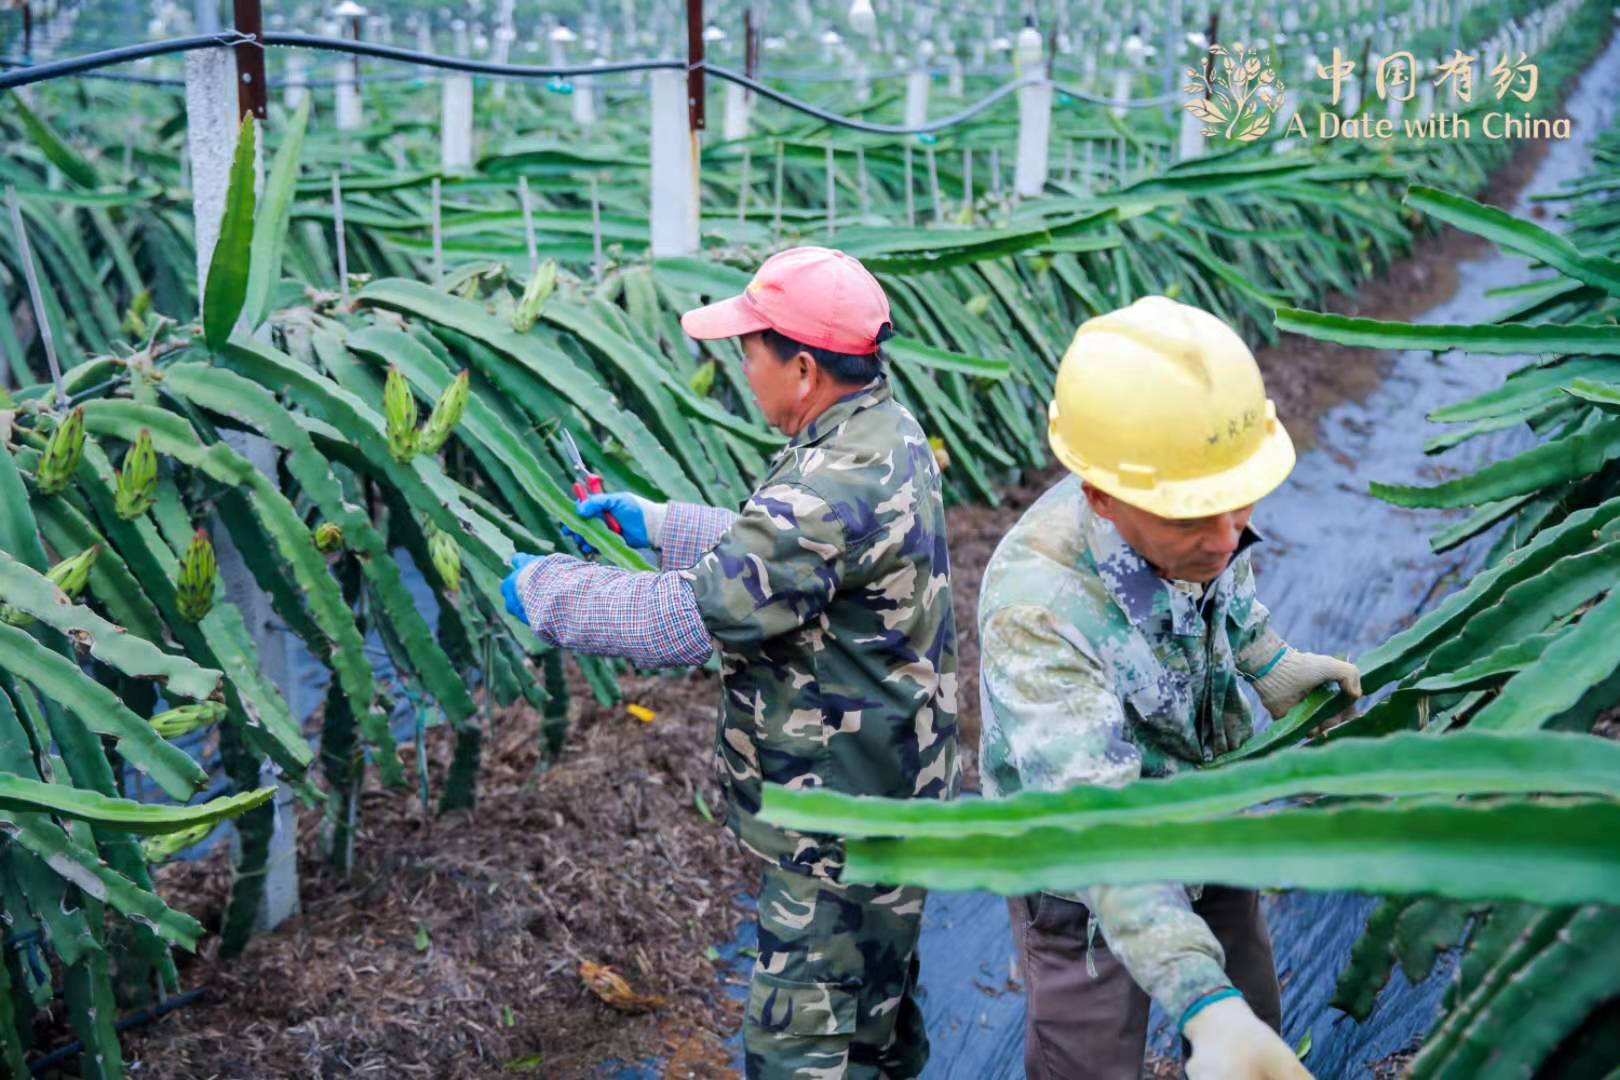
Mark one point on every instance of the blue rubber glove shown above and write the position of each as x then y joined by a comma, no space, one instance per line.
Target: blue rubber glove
509,591
641,519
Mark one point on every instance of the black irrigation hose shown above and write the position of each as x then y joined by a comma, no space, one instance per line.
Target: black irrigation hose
154,80
1098,99
462,63
80,65
135,1019
122,55
863,125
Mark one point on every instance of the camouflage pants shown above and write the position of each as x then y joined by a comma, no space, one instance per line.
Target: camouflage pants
833,991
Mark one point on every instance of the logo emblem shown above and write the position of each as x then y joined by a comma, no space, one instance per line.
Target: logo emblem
1235,94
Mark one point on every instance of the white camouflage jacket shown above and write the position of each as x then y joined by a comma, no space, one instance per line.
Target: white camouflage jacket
1095,670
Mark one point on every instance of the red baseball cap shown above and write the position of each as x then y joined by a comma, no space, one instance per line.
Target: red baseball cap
814,295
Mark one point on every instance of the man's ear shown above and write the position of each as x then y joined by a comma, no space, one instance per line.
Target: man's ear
1102,503
808,368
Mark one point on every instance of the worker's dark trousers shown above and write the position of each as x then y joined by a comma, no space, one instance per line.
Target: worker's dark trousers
1078,1027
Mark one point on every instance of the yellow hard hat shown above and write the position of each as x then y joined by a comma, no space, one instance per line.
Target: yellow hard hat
1161,405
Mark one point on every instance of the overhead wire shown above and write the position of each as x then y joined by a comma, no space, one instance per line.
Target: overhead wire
91,63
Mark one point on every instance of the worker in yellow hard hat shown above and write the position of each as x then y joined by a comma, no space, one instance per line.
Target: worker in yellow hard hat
1116,620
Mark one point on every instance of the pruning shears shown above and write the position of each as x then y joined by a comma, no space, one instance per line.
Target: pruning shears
588,483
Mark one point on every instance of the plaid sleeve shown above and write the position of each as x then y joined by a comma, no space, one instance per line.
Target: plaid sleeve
650,619
777,568
689,532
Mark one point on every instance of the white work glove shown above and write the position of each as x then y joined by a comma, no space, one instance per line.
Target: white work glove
1296,674
1229,1042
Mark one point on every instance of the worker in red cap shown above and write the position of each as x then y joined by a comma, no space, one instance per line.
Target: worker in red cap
828,600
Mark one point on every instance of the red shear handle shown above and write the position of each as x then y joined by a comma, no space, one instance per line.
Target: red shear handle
596,489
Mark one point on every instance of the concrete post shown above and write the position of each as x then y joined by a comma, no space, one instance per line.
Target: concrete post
1191,143
736,121
1394,105
424,44
504,35
1173,41
211,128
1122,90
1034,118
674,168
917,95
294,92
348,95
456,123
584,101
1350,101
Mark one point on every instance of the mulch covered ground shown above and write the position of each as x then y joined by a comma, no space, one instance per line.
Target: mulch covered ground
455,948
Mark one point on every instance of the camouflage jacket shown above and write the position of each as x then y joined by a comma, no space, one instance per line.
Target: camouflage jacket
829,602
1095,670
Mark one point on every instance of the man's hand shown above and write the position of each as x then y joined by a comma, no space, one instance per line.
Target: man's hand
1298,673
641,519
1229,1042
509,592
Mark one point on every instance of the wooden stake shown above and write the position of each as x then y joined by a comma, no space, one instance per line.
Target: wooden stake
911,205
777,222
438,237
695,119
832,194
742,188
342,245
933,187
860,174
34,294
251,87
967,179
596,231
528,224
